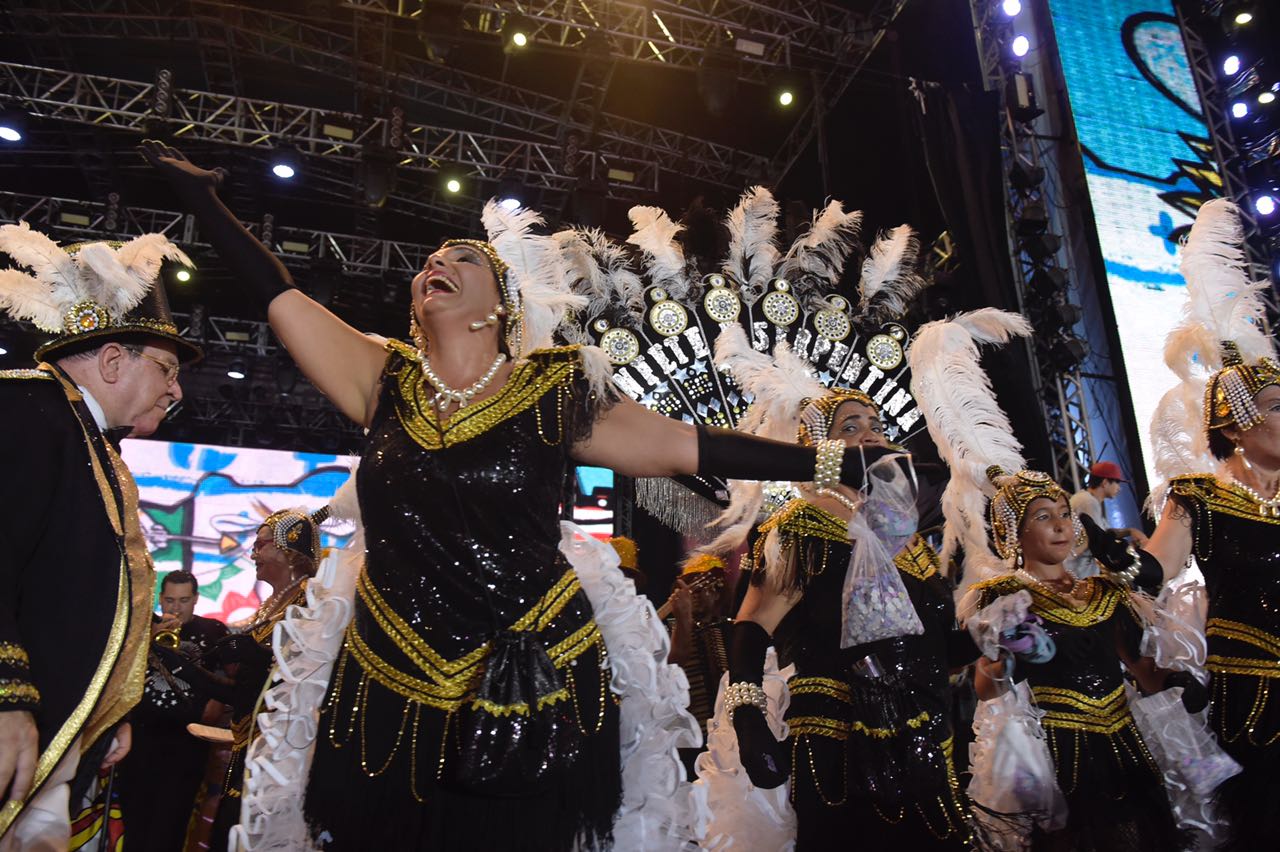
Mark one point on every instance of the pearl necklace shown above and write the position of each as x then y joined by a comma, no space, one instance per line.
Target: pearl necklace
1034,580
446,396
1266,508
839,498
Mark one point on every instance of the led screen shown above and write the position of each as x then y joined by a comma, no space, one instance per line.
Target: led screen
1144,144
201,507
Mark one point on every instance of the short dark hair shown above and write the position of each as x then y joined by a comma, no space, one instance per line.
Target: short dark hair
178,578
1220,445
1095,481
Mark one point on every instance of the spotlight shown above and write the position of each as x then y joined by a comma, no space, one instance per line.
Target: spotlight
236,370
1041,247
1236,13
1033,219
13,125
511,192
509,203
183,275
1231,65
3,351
1011,7
1265,205
1020,97
286,162
786,98
1068,351
1020,46
1243,18
453,185
1266,97
1064,314
1239,109
1048,283
1025,176
517,32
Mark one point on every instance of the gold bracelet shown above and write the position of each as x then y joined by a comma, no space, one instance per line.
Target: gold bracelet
826,469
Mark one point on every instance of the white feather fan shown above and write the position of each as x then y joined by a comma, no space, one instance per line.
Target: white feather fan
655,234
889,276
965,421
753,254
817,257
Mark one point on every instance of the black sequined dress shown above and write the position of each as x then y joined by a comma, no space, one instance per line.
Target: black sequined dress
1115,794
870,755
462,530
1237,546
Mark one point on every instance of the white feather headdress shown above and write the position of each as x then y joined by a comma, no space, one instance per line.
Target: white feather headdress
890,279
64,291
966,423
817,258
753,252
654,233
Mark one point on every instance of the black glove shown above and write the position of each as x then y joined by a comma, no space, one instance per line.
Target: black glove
737,455
251,263
1117,556
763,757
1195,695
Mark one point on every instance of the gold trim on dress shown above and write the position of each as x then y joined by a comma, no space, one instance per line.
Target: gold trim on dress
1105,715
1225,497
918,559
1104,596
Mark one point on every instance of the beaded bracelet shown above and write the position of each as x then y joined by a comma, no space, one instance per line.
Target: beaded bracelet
1130,574
826,470
744,693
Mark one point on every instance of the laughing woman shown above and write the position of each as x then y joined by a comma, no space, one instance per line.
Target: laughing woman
470,706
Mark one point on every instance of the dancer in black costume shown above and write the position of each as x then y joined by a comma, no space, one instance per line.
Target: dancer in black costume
470,707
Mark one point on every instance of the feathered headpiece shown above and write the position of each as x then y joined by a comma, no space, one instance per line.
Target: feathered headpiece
1014,494
1219,351
90,292
297,530
968,426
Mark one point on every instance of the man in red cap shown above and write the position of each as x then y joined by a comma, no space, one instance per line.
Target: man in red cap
1105,479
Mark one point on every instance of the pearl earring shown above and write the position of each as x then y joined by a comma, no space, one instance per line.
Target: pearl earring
492,319
415,331
1239,450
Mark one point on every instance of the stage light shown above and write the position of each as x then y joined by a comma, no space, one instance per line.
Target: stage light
1239,109
1266,97
1041,247
511,192
1265,205
1064,314
183,275
1048,283
1025,176
1011,7
453,185
286,162
786,98
509,203
236,370
1243,18
1231,65
3,351
1032,220
1020,46
13,125
517,31
1068,351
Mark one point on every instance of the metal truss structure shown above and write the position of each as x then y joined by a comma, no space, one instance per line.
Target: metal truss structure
1061,392
1228,155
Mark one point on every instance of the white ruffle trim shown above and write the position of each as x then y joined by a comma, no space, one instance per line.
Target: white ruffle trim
728,810
1190,759
306,643
1013,775
654,718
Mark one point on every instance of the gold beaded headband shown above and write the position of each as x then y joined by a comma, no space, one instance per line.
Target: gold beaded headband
297,531
816,417
1228,397
1014,493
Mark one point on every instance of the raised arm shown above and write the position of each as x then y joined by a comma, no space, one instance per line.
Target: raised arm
1172,540
635,441
343,363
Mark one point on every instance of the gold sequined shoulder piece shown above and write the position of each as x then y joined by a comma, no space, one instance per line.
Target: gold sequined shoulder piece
994,587
28,374
1225,497
802,518
531,379
918,559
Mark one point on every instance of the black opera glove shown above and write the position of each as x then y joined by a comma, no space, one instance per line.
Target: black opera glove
737,455
1139,569
1195,695
252,264
764,758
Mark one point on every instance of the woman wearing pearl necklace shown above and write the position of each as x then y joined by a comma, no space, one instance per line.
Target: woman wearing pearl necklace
1217,443
470,705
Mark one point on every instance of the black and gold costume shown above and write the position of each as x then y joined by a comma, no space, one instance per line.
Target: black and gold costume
463,574
75,576
868,751
1235,546
1115,793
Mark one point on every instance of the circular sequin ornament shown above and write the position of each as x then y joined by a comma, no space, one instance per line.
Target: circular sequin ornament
601,325
85,316
884,351
720,303
668,318
620,346
780,307
832,324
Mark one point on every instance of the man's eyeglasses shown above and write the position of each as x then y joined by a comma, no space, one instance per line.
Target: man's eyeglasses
170,368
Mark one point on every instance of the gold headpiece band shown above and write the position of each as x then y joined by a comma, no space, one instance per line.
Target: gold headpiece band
1228,397
297,531
816,417
1014,493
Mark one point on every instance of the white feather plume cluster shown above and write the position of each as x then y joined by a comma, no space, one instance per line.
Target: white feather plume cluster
890,279
753,252
599,268
817,257
780,385
654,233
965,421
117,279
537,269
1222,304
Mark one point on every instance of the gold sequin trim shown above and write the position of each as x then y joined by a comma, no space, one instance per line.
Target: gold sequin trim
825,726
13,655
802,518
25,373
531,379
1225,497
1219,664
14,691
1241,632
1105,715
820,686
918,559
1104,596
